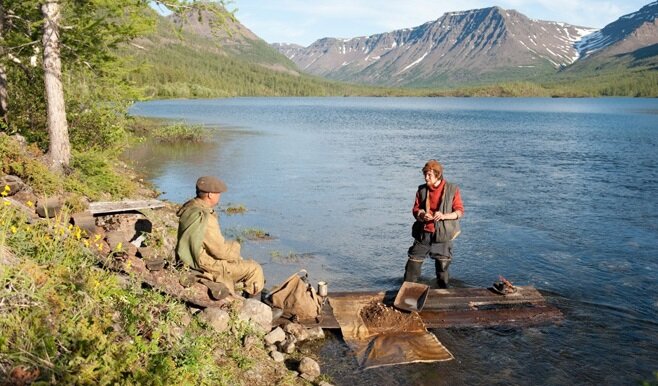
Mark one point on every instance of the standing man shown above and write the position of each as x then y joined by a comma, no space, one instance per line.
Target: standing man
437,210
202,247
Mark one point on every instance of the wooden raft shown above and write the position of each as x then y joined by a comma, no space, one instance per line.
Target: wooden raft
465,307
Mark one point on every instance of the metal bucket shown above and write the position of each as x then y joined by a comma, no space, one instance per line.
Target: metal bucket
411,296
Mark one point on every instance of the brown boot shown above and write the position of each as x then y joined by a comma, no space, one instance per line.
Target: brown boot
218,291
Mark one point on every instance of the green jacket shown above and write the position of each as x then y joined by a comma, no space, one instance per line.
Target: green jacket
193,217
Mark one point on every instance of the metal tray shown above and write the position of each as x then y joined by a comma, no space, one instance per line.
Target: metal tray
411,296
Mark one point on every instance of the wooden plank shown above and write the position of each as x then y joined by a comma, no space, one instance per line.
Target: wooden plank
123,206
465,307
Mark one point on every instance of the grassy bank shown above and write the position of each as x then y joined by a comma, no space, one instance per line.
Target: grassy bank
66,320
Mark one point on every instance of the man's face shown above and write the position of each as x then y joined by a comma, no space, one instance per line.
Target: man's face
214,197
430,178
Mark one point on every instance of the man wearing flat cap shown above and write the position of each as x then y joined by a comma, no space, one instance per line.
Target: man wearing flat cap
202,246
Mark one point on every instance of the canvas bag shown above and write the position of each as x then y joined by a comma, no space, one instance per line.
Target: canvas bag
446,230
297,297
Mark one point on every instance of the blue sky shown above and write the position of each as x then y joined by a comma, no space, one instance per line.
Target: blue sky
304,21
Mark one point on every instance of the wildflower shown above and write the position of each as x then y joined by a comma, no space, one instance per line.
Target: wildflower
70,226
6,191
119,247
86,243
7,203
78,233
14,229
29,203
97,237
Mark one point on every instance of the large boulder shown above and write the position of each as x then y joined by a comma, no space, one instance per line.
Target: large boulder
309,367
256,313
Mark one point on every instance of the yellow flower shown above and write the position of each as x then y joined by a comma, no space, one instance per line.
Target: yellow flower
97,237
70,226
14,229
119,247
29,203
78,233
7,189
86,243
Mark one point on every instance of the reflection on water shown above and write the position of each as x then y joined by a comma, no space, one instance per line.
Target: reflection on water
559,194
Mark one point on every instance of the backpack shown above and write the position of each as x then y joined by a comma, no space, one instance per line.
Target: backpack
296,297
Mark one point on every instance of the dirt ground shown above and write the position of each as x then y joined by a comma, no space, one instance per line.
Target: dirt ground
378,316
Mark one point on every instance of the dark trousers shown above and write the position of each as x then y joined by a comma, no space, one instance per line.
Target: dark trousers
423,247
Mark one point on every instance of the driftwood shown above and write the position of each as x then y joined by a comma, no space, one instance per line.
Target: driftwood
123,206
466,307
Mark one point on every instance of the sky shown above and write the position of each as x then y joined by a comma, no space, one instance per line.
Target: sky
305,21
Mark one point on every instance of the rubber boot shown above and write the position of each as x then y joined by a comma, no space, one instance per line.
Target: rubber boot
442,277
412,270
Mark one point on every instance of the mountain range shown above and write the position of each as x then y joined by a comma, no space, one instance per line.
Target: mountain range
481,46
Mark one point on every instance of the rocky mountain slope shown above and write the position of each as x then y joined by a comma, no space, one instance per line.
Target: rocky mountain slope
628,33
475,46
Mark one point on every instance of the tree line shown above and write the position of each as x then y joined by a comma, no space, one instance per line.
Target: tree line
60,72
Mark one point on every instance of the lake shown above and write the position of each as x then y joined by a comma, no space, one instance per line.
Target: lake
561,194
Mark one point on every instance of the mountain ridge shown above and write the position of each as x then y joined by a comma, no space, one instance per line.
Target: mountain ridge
470,47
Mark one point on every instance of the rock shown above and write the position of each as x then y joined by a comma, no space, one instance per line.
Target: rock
87,222
14,183
115,239
250,341
275,336
325,383
146,252
270,348
296,330
49,207
256,313
277,356
216,318
315,333
310,367
308,377
288,346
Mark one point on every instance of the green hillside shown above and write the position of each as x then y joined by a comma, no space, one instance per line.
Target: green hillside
175,63
193,62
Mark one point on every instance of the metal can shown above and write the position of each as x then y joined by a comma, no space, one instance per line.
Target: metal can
322,288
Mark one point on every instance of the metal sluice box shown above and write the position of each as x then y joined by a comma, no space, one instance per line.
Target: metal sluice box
411,296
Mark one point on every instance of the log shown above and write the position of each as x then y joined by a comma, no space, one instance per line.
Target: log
464,307
105,207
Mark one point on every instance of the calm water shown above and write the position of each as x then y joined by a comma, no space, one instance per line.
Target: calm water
561,194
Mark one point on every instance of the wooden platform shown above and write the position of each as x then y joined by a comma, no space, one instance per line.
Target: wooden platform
465,307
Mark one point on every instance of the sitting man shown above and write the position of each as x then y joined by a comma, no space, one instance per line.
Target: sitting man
202,247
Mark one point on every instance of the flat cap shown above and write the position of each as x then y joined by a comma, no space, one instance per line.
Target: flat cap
210,184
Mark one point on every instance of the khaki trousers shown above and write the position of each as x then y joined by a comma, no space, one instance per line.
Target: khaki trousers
248,272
